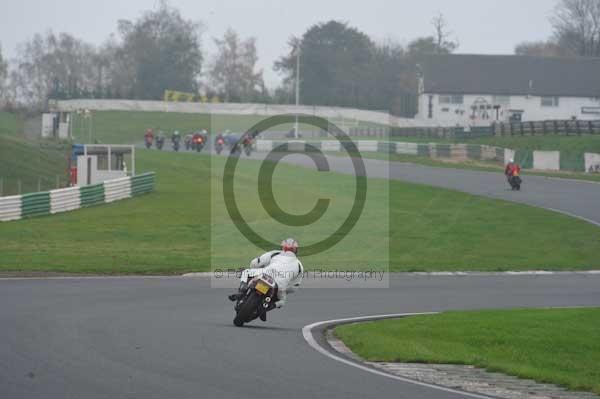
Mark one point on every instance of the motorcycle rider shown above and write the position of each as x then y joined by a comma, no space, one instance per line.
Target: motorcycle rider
175,137
187,140
149,136
160,139
512,169
285,268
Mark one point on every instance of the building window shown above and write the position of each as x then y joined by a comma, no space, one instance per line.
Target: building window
549,102
456,99
503,101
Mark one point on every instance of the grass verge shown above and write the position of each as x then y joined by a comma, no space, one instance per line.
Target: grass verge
126,127
35,164
560,346
405,226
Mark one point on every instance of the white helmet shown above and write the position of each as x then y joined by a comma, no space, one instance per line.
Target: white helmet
289,244
511,160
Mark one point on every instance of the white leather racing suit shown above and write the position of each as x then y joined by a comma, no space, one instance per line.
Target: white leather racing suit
284,267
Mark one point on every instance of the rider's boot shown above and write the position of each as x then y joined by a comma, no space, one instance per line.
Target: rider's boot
241,290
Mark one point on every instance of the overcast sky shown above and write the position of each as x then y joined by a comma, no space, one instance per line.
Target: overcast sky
490,27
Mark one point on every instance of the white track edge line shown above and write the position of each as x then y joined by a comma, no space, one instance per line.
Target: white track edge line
308,337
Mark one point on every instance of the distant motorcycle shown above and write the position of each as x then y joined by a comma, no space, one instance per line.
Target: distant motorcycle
148,141
160,141
188,141
255,301
198,142
176,145
219,145
247,143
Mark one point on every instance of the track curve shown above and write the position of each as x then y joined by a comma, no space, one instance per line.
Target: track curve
173,337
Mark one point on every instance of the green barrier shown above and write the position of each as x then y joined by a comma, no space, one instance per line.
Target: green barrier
35,204
386,147
92,195
474,151
443,151
142,184
524,158
572,160
423,150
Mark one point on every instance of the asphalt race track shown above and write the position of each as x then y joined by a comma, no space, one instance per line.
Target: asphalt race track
577,198
173,337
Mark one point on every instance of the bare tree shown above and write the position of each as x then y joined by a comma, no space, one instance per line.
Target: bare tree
542,48
577,26
442,35
50,65
3,76
233,70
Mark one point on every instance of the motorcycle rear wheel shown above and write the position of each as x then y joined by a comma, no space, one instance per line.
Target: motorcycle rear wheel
247,310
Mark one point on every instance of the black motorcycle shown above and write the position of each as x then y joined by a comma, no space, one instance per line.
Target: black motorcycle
248,146
258,298
160,141
515,182
175,142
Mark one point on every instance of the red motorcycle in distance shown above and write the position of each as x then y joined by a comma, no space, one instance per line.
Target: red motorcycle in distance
148,139
219,144
198,142
247,143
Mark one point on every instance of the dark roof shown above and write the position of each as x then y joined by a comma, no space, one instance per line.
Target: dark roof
511,75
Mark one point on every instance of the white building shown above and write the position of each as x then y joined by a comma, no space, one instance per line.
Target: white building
476,90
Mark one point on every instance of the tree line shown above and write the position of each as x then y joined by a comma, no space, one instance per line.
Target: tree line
575,31
339,64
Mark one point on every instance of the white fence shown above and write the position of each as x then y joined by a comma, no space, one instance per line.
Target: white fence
63,200
331,113
117,189
10,208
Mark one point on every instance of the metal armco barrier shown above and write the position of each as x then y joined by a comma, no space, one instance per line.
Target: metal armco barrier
10,208
92,195
35,204
67,199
